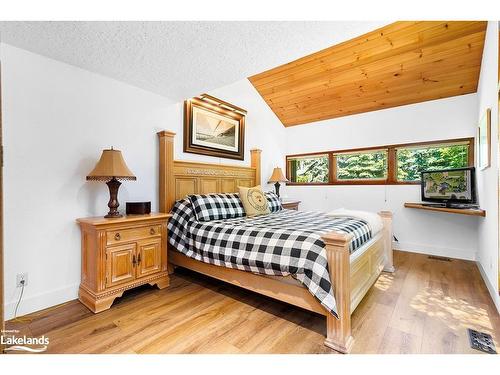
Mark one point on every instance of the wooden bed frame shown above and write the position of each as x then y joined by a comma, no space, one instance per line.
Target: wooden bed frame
351,279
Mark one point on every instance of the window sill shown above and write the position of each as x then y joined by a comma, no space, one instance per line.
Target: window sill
351,182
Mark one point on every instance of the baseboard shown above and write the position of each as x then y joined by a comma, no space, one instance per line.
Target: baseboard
493,291
435,250
41,301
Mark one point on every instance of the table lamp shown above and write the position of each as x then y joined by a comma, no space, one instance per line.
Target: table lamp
111,168
277,177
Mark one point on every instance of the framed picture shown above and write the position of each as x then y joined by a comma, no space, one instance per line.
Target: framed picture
213,127
484,141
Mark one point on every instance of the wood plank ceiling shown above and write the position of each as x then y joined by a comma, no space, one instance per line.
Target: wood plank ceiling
398,64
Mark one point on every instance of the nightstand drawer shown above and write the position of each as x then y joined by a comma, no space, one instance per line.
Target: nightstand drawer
133,234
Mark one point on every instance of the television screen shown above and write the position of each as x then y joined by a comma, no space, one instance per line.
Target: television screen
453,185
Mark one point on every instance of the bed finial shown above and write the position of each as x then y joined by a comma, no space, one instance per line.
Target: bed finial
338,331
388,234
255,163
167,192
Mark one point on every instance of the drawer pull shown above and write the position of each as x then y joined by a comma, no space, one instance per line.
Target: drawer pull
117,237
139,259
152,231
133,261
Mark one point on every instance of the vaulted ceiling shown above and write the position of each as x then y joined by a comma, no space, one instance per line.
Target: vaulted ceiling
398,64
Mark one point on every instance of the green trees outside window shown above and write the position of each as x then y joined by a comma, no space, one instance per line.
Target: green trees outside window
412,161
309,169
362,165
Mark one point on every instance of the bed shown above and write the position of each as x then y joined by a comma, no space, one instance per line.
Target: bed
353,259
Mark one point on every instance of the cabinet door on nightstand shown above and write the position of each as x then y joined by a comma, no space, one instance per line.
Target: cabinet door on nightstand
120,264
149,257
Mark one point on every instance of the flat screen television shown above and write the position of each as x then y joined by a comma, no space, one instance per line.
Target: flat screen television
449,186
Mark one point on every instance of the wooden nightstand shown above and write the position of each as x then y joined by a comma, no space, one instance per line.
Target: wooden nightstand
120,254
290,204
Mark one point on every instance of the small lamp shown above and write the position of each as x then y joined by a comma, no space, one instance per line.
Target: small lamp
111,167
277,177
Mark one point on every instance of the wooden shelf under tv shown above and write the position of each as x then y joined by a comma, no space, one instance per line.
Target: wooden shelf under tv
459,211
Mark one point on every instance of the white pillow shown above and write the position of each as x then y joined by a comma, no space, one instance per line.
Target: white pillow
373,219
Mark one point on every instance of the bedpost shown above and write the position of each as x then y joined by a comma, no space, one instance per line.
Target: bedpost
387,221
338,331
255,163
167,188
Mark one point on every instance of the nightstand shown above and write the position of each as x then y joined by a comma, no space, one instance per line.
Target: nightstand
290,204
120,254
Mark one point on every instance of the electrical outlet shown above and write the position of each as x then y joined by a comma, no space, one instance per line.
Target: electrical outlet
22,279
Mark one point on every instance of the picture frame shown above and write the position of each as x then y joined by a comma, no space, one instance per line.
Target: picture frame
214,127
484,141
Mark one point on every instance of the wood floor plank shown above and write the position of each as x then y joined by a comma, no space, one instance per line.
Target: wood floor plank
426,306
148,332
407,317
369,331
399,342
74,311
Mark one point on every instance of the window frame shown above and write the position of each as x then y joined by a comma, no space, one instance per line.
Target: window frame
312,155
391,162
374,181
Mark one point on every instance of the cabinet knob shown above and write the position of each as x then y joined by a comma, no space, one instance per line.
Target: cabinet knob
152,231
117,237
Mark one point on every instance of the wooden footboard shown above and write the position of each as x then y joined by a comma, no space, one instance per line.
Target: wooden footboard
338,331
351,281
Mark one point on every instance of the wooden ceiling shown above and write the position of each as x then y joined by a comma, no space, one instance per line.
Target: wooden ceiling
398,64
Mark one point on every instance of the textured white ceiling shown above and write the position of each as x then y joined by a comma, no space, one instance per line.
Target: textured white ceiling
178,59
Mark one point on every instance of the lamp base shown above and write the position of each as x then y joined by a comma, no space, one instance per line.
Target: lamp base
113,215
113,186
277,188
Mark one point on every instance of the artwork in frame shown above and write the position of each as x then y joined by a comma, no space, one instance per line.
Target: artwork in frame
484,140
214,127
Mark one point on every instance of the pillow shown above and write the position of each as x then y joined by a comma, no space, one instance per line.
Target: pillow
208,207
273,201
254,201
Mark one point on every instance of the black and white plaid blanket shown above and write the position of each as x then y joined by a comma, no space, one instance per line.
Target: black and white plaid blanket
282,243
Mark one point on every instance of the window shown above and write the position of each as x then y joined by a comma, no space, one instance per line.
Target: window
413,160
308,169
371,165
394,164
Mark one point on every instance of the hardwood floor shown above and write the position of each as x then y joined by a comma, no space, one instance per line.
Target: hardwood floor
424,307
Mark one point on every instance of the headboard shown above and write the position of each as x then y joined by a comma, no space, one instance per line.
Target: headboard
180,178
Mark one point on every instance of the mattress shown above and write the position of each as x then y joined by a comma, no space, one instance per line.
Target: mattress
283,243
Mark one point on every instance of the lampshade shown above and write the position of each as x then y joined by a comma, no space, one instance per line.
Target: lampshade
278,176
111,164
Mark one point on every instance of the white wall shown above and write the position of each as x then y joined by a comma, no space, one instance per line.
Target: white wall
263,129
416,230
57,118
488,178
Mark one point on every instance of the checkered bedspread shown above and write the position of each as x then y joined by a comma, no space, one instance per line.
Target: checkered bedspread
283,243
